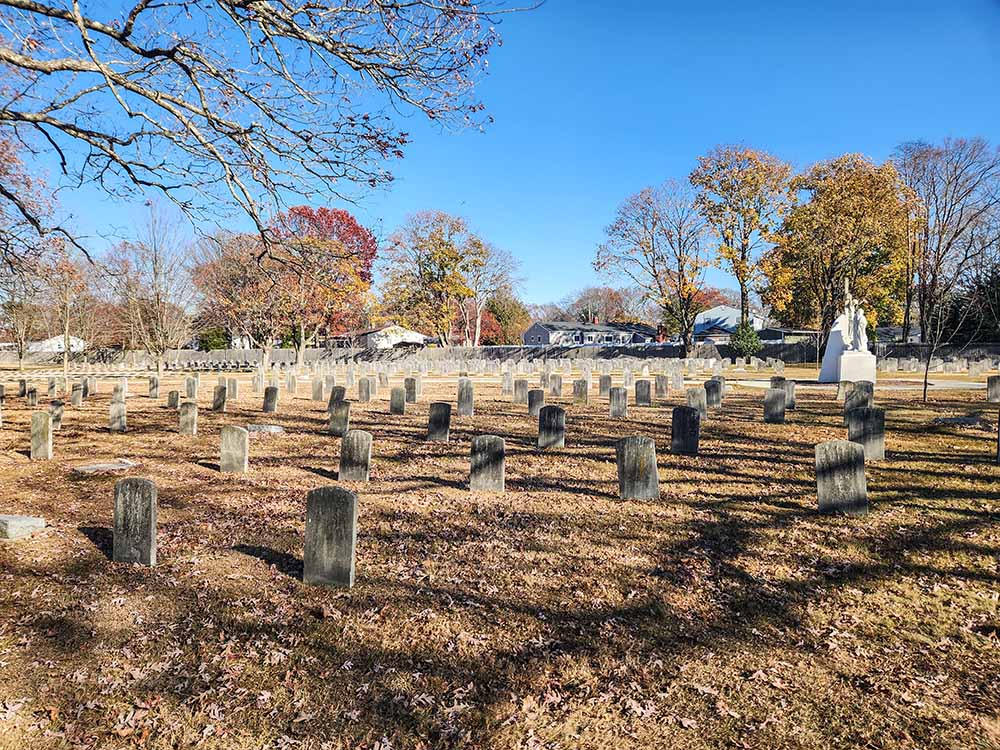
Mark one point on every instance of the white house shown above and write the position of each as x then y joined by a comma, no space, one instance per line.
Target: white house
56,345
383,337
716,325
568,333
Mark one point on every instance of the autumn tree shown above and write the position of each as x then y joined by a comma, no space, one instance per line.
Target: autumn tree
743,193
511,316
323,269
231,104
957,187
20,309
657,240
488,271
849,223
427,260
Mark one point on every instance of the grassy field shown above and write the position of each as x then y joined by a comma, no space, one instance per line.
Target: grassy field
726,614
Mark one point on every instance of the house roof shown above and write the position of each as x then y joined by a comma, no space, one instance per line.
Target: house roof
723,318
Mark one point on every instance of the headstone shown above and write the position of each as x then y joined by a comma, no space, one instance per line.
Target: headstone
219,398
191,388
860,397
154,386
317,390
331,537
993,389
643,393
41,436
465,402
777,381
789,386
76,394
355,456
364,390
232,389
844,387
507,385
397,400
486,473
439,422
173,399
697,398
520,391
22,388
16,527
410,390
603,385
555,385
840,478
56,411
618,402
774,406
340,418
117,420
713,394
551,427
51,390
189,418
685,430
234,450
581,394
32,396
536,400
135,522
638,478
271,399
661,387
866,427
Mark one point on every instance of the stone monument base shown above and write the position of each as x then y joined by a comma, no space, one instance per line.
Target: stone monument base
855,366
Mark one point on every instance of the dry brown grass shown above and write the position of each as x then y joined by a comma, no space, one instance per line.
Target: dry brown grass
727,614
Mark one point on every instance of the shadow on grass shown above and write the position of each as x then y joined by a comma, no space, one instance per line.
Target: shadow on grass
283,562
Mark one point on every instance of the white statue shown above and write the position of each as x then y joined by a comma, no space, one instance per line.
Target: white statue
847,356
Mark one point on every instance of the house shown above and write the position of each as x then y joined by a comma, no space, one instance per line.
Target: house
568,333
56,345
717,324
382,337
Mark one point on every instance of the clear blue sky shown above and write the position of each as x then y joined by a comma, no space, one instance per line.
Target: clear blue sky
594,100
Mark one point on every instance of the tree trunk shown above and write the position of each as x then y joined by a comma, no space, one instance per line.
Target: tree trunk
65,362
300,345
479,325
744,303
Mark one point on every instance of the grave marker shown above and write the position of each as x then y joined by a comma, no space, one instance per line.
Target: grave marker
840,478
189,418
41,436
439,422
866,427
486,472
551,428
355,456
234,450
135,522
331,537
638,478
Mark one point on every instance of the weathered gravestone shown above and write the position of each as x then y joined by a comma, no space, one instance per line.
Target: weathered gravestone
536,400
331,537
685,430
154,386
16,527
486,471
789,386
643,393
355,456
844,387
173,399
219,398
866,427
618,402
364,390
337,393
397,400
410,390
638,478
117,421
22,388
271,399
661,387
777,381
191,388
507,385
234,450
318,393
603,385
32,396
840,478
41,436
860,397
56,411
189,418
232,389
713,394
993,389
551,427
340,418
118,394
774,406
520,391
697,398
135,522
439,422
581,393
555,385
465,402
51,389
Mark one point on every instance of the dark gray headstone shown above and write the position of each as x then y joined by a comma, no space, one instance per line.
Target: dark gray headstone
410,390
154,386
643,393
618,402
697,398
56,411
536,400
219,398
465,401
993,389
638,478
173,400
117,421
340,418
191,388
397,400
662,387
439,422
580,393
32,396
365,390
337,393
713,394
789,386
551,427
777,381
520,391
860,397
603,385
331,537
232,389
51,390
22,388
135,522
355,456
685,430
271,399
486,472
555,385
189,418
234,450
774,405
41,436
318,387
76,394
866,427
840,478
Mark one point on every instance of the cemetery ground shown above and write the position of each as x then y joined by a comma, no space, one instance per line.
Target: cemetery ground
728,613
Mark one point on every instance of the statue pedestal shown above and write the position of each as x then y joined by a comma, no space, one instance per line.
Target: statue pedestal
855,366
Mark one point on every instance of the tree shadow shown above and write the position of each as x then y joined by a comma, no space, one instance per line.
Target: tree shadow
283,562
101,537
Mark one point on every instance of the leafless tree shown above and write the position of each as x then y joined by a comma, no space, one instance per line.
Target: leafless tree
234,102
493,272
20,305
